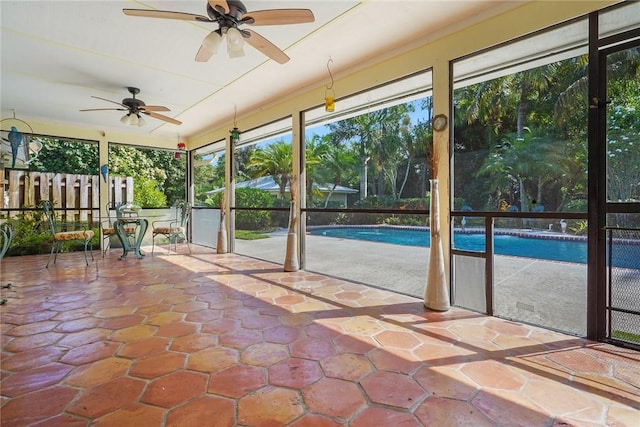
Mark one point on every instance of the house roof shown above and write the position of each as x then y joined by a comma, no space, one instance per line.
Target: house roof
267,183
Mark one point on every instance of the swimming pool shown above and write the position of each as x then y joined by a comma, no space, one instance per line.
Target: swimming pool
554,249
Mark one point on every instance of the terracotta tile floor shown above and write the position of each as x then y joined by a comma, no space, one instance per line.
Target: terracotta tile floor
225,340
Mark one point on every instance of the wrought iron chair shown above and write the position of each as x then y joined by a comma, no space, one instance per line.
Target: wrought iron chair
6,234
61,233
175,229
108,227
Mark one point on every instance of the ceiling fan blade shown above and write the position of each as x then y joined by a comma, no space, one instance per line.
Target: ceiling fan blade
108,100
266,47
278,17
105,109
153,108
166,14
221,3
161,117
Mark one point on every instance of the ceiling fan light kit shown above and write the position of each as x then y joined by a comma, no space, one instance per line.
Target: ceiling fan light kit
235,43
212,42
230,15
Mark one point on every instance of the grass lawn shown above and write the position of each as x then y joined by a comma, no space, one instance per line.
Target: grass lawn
626,336
250,235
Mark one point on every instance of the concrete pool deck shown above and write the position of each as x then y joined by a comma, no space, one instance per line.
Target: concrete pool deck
546,293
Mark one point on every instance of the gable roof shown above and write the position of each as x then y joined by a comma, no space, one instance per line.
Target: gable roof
267,183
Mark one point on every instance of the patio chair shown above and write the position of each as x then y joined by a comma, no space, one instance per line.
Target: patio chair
174,230
63,232
108,227
6,234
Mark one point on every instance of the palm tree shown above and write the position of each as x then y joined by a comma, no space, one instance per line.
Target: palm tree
338,167
535,157
315,153
274,160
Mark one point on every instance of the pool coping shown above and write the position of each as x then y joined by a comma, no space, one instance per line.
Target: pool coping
526,233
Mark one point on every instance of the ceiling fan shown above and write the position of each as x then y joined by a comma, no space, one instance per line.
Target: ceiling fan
231,14
134,107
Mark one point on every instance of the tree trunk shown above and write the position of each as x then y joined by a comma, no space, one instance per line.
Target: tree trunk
524,206
363,177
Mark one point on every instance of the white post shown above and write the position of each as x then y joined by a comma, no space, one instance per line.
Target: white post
436,295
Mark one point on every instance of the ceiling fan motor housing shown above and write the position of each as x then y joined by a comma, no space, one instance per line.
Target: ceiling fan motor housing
133,103
236,11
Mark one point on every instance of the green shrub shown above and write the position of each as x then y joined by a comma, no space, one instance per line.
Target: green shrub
148,194
253,198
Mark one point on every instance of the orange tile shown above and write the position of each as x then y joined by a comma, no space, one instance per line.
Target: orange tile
281,334
78,325
213,359
193,342
237,381
310,348
264,354
174,389
143,347
442,381
346,366
133,333
240,338
176,329
333,397
134,414
99,372
208,411
32,341
393,389
295,373
157,365
107,397
33,328
373,416
270,407
34,379
89,353
122,322
38,405
163,318
313,420
510,408
490,373
32,358
437,411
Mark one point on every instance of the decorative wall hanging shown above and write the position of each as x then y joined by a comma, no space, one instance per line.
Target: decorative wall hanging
104,171
235,132
15,139
181,147
329,94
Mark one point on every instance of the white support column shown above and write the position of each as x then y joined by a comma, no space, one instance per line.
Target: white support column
292,254
441,142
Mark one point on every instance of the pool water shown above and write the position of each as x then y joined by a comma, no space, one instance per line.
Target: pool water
549,249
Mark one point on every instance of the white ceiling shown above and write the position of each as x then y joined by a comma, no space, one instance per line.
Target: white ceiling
56,55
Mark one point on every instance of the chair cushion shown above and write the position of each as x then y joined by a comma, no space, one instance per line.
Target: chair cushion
112,231
74,235
168,230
